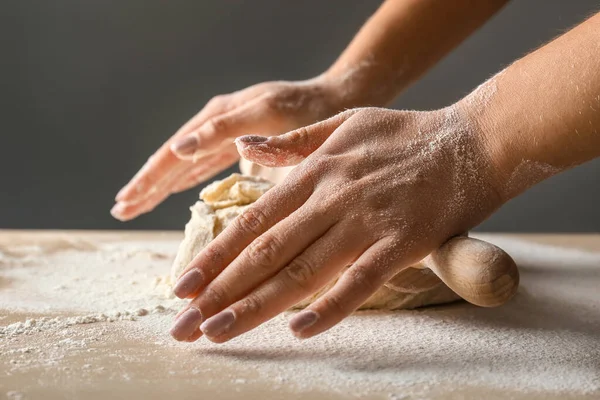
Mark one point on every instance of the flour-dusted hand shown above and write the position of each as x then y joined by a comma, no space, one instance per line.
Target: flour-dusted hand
204,146
379,189
385,57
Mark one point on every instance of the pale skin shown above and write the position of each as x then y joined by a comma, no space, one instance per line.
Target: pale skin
380,189
384,58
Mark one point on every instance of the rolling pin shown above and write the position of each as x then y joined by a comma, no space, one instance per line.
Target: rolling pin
478,271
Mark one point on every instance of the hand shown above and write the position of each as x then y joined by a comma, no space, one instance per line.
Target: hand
378,190
203,147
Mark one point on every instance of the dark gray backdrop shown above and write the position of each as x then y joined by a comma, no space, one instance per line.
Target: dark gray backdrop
91,88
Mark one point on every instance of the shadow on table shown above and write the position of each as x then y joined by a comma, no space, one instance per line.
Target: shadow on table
548,311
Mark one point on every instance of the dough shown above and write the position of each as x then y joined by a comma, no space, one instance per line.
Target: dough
222,201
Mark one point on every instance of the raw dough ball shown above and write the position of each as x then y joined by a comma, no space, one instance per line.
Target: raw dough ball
235,190
221,202
275,175
224,200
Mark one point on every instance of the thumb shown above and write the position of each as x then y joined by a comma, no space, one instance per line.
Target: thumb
290,148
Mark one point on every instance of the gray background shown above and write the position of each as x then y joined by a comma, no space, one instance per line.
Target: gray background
89,89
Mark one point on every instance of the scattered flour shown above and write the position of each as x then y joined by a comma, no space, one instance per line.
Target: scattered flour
36,325
546,340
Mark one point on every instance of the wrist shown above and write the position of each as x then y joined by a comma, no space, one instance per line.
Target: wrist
498,159
519,148
365,83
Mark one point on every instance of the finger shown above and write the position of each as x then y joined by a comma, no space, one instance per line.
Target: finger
194,336
263,257
261,260
179,179
163,160
185,325
127,210
275,205
159,167
354,287
253,116
124,211
206,169
303,276
226,290
290,148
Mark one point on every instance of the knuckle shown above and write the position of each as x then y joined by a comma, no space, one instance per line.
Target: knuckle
264,251
218,124
271,101
252,220
301,175
301,273
362,278
335,305
311,171
299,136
352,111
320,164
214,256
215,295
261,87
355,275
251,305
320,209
217,100
328,203
281,99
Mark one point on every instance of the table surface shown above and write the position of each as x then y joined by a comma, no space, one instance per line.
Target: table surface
125,367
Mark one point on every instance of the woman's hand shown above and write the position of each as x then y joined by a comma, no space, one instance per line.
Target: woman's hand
203,147
378,190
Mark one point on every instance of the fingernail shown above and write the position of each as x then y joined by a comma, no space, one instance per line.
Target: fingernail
251,139
303,320
185,146
117,210
186,324
188,283
218,324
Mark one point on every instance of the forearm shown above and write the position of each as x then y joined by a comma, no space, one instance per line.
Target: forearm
542,114
400,42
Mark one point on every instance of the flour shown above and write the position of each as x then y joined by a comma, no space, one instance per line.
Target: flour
527,174
13,395
453,143
21,253
480,98
114,278
545,340
37,325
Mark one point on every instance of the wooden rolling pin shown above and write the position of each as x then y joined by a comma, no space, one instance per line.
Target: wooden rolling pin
478,271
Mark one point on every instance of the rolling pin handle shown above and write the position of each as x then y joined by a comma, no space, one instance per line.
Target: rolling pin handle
478,271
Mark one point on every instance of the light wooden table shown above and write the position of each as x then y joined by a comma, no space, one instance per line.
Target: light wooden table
149,367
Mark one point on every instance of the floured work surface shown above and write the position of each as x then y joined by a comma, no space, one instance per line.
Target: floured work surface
87,315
